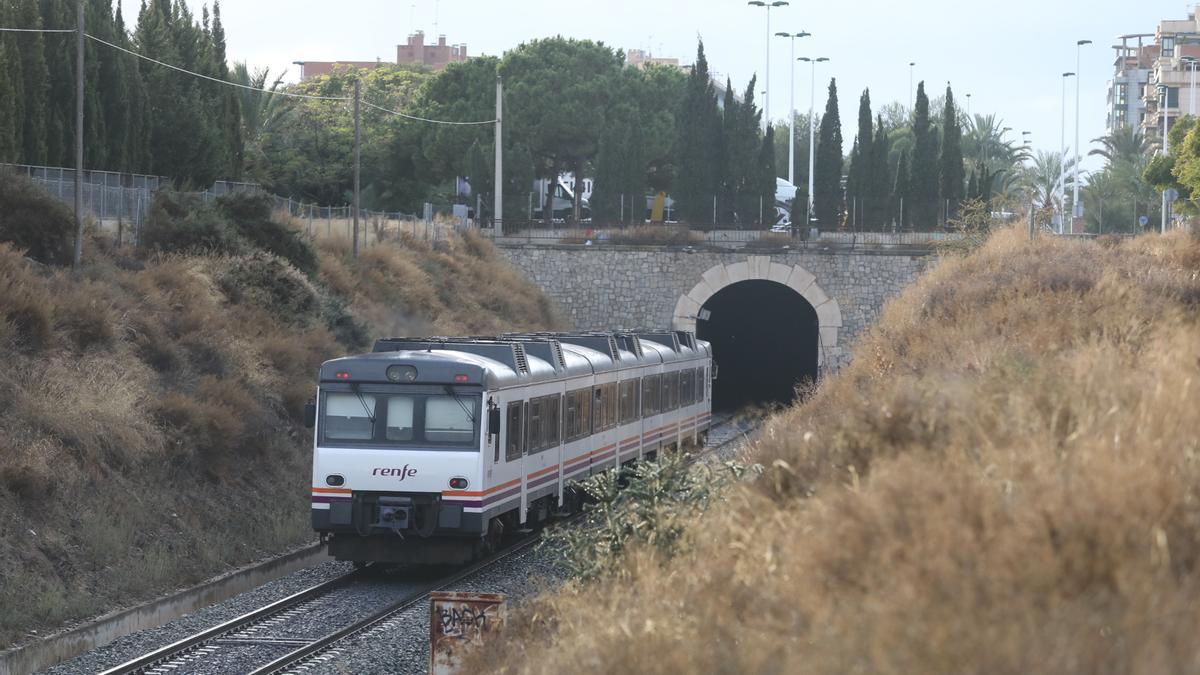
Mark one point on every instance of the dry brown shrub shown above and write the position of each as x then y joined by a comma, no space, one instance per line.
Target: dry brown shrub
1004,481
25,303
85,314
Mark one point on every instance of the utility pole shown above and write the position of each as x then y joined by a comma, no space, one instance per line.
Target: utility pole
357,157
498,216
79,51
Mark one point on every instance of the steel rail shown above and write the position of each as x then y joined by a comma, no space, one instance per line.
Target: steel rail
317,647
208,635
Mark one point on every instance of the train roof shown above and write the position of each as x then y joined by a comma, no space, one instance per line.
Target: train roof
510,360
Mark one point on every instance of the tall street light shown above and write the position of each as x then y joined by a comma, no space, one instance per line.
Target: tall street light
911,65
1076,207
812,132
792,111
769,6
1062,177
968,107
1164,93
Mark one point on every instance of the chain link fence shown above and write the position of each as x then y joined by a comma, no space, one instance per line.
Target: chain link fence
120,204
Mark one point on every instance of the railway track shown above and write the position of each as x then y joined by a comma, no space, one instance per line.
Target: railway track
265,640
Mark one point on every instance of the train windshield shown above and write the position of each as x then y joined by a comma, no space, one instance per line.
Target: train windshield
400,420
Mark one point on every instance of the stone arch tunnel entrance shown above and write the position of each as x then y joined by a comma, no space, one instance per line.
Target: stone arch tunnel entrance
766,341
771,325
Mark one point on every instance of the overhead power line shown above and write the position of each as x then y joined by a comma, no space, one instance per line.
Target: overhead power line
422,119
37,30
215,79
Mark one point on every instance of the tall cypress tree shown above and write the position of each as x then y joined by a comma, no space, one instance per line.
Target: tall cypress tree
730,128
827,187
230,112
36,83
880,190
8,143
765,180
923,170
699,143
15,85
901,195
859,180
60,105
952,171
745,155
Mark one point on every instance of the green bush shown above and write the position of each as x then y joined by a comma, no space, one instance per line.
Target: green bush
650,504
183,223
250,215
35,221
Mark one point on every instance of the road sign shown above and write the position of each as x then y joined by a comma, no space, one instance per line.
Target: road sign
1172,195
1144,220
460,623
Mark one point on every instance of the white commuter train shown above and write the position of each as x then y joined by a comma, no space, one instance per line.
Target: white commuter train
429,449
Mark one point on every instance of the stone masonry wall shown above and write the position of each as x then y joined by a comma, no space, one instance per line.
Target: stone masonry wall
609,287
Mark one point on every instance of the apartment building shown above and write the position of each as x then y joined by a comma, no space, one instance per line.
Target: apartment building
1131,73
413,52
1173,87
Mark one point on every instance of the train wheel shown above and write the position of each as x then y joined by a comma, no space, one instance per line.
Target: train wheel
495,536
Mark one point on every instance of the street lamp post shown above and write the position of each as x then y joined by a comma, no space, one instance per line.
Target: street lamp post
1076,207
911,65
1191,63
301,64
1062,177
968,106
812,131
769,6
792,109
1164,94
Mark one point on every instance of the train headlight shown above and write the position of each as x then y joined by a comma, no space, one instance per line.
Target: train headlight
401,374
459,483
335,480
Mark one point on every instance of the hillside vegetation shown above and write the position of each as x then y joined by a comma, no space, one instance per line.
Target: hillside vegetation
151,407
1006,480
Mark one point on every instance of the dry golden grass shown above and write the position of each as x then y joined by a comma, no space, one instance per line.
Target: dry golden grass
151,411
1006,480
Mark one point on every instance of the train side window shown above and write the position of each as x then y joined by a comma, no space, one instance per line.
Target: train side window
514,447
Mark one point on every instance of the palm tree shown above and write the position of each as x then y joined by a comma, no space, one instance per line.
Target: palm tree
1046,177
1124,144
984,146
262,108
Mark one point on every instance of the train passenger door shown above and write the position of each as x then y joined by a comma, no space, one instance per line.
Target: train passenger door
514,449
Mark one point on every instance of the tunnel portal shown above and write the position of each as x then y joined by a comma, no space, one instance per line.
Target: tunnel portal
766,340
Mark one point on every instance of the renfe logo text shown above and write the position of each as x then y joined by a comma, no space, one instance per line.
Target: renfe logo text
402,473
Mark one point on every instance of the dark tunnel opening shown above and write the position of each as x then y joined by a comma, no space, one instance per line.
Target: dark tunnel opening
765,340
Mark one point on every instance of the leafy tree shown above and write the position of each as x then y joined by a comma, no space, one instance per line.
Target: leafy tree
699,145
557,93
827,188
952,171
923,170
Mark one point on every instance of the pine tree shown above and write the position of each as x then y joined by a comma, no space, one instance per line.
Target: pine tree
36,83
699,143
859,180
923,170
952,171
827,188
901,196
880,189
765,181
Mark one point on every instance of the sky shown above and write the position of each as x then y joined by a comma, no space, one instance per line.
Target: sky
1009,56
